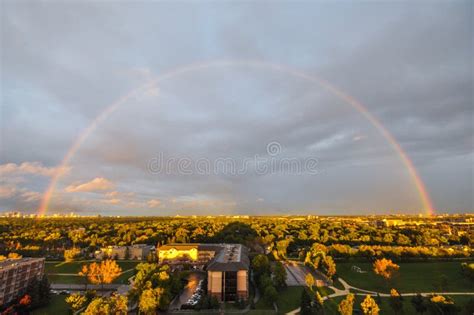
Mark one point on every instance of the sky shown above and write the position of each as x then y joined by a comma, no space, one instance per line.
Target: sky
209,108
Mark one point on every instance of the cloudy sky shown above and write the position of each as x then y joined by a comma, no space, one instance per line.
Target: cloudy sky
213,108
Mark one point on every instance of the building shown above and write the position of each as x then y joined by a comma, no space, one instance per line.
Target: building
228,273
16,274
195,255
133,252
227,266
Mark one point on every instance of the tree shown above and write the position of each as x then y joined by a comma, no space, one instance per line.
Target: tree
441,305
76,301
270,295
419,303
279,275
305,303
396,302
369,306
14,256
385,268
309,280
103,273
71,254
330,266
346,306
261,265
84,273
468,271
113,305
281,247
469,308
318,304
148,303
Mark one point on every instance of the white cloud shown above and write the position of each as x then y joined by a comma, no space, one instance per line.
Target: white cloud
154,203
97,184
34,168
7,191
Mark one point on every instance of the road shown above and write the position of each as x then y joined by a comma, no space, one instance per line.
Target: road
188,290
296,274
80,287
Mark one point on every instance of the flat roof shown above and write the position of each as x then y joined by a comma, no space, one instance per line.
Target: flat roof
4,264
229,257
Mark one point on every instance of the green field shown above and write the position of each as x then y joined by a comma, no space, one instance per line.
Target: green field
331,305
412,277
71,269
289,299
57,306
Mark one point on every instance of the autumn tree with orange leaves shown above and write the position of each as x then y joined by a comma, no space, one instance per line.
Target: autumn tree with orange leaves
385,268
101,273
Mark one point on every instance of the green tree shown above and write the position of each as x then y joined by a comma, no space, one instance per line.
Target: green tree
396,301
305,303
261,265
419,303
318,304
279,275
270,295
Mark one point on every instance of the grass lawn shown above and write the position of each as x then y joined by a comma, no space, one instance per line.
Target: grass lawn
261,312
331,305
324,291
411,277
289,299
72,268
75,266
57,306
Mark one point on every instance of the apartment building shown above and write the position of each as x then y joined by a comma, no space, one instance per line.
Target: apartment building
133,252
227,266
16,274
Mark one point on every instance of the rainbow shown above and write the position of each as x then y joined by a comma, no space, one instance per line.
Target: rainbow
418,182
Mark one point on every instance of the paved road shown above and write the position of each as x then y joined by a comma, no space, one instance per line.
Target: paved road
80,287
296,274
190,288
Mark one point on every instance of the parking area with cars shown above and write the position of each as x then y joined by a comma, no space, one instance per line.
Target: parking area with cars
191,293
195,297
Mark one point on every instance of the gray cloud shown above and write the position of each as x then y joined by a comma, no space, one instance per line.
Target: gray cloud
410,63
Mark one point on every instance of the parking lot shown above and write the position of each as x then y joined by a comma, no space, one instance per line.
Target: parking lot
296,274
189,296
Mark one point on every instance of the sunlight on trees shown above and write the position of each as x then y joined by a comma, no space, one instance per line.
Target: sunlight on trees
385,268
